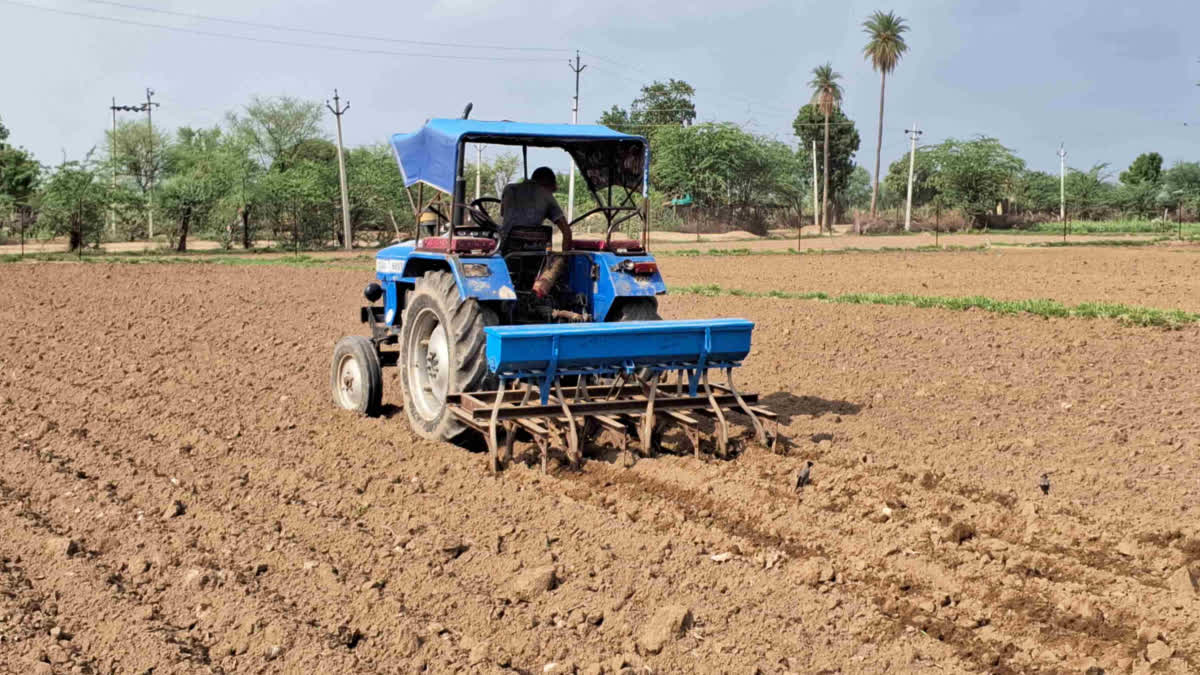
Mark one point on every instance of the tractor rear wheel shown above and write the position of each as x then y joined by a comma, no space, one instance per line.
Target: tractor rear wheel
441,352
637,309
356,378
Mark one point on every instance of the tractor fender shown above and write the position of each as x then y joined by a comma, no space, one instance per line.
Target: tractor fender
398,267
611,283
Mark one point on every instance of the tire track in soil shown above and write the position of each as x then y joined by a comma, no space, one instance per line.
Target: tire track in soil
1063,629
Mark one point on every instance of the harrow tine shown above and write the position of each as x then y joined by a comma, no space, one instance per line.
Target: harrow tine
722,425
493,441
646,425
573,452
758,427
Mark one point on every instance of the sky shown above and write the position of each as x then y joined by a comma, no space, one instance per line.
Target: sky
1109,80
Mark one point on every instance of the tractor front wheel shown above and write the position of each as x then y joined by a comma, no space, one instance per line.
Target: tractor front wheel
442,347
356,378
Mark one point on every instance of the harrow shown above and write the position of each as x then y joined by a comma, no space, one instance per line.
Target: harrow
564,384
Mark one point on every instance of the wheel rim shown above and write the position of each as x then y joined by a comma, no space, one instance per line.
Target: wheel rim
349,382
428,365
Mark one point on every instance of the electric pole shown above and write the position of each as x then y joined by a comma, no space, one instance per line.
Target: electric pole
816,208
577,68
912,162
143,107
112,168
150,176
1062,185
338,110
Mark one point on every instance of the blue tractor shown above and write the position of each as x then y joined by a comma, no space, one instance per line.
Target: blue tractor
490,329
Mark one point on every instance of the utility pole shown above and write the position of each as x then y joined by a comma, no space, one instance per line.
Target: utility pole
576,68
338,110
150,176
816,207
112,168
143,107
1062,185
912,162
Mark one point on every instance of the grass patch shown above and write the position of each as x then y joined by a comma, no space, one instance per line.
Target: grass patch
1127,314
199,258
1114,227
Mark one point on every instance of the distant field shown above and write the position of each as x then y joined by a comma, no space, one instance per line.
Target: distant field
1118,226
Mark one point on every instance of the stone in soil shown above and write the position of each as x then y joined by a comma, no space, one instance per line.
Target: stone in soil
532,583
668,623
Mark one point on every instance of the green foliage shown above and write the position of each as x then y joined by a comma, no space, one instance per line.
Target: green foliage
973,176
276,129
885,44
895,184
1147,168
659,105
827,93
205,170
377,200
719,164
1181,185
1089,192
857,194
1036,191
137,153
844,140
72,202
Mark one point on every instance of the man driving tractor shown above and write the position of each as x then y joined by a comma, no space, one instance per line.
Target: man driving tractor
527,205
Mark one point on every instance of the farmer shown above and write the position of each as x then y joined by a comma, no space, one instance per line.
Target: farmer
529,204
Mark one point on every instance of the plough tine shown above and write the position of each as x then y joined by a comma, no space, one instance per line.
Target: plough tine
646,425
573,452
493,441
758,427
722,425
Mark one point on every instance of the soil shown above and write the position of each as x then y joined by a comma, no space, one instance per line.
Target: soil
178,492
1165,277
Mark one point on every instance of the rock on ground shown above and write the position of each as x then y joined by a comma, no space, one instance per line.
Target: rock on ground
668,623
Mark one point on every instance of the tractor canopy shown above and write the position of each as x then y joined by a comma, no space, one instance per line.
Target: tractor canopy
606,158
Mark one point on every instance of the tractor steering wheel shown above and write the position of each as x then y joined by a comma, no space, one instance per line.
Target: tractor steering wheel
480,215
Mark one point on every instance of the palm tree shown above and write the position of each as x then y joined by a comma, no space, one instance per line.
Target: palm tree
827,95
884,49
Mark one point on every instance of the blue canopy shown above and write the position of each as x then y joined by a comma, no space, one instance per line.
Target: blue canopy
605,157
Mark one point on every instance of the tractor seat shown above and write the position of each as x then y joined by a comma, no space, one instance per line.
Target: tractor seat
615,245
461,244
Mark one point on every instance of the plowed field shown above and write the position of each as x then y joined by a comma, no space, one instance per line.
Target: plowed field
177,492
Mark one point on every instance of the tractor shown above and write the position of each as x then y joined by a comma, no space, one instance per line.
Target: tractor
494,336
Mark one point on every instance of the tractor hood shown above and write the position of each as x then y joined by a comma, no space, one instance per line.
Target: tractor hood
604,157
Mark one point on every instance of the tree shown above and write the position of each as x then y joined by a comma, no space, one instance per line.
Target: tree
138,156
844,141
924,168
1147,168
275,129
19,175
827,96
1089,192
660,105
204,172
1181,185
1036,192
72,202
973,176
857,192
884,49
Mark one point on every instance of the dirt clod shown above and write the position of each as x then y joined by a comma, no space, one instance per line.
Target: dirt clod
62,546
667,624
533,583
958,532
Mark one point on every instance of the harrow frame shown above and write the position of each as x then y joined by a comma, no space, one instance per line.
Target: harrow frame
625,401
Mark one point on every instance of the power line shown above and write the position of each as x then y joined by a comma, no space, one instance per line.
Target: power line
352,36
285,43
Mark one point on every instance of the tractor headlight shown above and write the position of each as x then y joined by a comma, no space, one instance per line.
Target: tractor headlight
373,292
476,270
